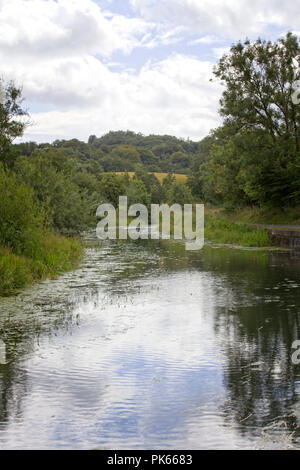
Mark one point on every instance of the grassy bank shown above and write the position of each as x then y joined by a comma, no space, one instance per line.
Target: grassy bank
218,229
48,256
284,216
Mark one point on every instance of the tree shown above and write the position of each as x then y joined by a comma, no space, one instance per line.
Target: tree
259,81
112,187
256,154
12,123
148,158
153,186
179,193
69,207
168,181
180,160
20,216
128,153
137,193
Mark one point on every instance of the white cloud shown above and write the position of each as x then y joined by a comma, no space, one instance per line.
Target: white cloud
227,18
208,39
220,51
39,28
62,53
163,37
171,96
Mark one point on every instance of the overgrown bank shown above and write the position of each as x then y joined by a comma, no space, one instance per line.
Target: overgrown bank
264,215
55,254
235,226
219,229
29,249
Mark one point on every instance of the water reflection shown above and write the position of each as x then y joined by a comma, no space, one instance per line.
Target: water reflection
150,346
263,385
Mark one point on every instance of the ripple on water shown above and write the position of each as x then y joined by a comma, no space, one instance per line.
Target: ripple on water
138,348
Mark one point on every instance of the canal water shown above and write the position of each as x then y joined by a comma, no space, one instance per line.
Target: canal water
149,346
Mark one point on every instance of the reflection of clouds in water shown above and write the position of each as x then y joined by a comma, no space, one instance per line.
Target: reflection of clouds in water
137,355
137,371
173,317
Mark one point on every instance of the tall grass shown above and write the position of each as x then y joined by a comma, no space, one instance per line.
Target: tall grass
48,255
15,271
266,215
218,229
221,230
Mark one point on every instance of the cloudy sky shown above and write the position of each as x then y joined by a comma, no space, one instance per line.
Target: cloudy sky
90,66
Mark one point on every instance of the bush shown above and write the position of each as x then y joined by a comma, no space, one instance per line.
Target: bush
68,206
179,193
28,251
20,217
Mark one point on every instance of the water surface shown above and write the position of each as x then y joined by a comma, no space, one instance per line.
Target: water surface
148,346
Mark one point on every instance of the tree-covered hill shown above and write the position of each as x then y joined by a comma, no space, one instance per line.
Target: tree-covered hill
123,151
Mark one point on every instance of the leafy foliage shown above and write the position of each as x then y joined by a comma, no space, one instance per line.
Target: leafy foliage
254,158
124,151
11,123
19,215
179,193
66,200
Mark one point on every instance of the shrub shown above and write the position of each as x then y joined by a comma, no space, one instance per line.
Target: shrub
20,216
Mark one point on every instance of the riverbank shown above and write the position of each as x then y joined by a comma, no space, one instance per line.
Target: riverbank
250,226
50,256
218,229
256,215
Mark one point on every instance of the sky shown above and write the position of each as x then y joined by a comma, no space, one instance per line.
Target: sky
91,66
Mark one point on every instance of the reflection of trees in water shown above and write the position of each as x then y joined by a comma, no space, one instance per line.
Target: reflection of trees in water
259,375
131,261
21,336
13,379
13,387
256,326
257,338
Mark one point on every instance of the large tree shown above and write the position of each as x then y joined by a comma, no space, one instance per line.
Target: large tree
259,80
257,153
12,119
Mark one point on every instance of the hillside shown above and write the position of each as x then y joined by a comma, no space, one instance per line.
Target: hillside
123,151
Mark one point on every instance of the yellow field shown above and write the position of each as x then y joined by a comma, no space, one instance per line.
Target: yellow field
159,176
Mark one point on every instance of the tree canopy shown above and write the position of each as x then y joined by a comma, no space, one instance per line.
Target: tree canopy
12,122
255,157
